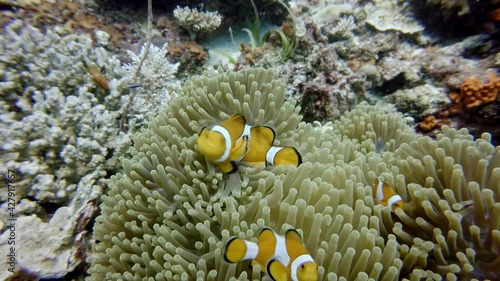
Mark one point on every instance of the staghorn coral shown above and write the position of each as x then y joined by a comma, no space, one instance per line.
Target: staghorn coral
169,214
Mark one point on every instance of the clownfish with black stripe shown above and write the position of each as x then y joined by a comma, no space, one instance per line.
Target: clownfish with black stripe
385,195
284,257
233,140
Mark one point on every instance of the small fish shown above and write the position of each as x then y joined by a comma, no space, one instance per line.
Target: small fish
133,86
385,195
233,141
284,257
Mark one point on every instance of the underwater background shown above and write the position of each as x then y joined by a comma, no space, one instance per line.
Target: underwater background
102,102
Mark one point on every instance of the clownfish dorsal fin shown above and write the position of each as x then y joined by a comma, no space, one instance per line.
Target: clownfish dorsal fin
266,235
293,235
267,246
266,133
294,245
202,128
235,119
277,271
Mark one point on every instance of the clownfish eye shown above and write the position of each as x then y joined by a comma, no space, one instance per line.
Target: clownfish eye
302,266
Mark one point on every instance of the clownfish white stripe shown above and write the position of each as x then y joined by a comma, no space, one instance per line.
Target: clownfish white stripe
280,251
380,191
227,139
297,262
246,132
252,250
393,200
271,154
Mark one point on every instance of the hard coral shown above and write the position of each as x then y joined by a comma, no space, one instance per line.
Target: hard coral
474,93
190,56
196,21
72,16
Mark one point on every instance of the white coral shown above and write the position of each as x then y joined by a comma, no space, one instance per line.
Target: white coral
386,15
57,124
344,27
155,77
197,21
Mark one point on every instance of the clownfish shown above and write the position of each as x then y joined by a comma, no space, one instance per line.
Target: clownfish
386,196
233,140
284,257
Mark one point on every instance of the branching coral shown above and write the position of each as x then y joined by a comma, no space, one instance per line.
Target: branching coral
57,124
167,216
195,21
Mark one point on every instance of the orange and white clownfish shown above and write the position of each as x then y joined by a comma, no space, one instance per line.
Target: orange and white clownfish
284,257
385,195
233,140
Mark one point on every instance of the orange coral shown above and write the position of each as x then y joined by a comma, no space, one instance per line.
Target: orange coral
473,93
430,123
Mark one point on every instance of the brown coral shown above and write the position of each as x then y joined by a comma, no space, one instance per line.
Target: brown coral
189,55
474,93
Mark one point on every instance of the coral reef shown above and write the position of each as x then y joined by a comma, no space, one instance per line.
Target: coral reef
474,93
55,248
196,21
420,101
191,57
476,105
69,109
344,28
457,17
59,126
168,215
392,15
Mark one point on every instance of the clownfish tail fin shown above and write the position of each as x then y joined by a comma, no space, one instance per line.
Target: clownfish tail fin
284,156
235,250
238,249
277,271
